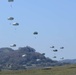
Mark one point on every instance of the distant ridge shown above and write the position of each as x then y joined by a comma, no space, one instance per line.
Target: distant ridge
69,61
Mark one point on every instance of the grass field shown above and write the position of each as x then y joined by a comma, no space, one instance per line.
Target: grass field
58,70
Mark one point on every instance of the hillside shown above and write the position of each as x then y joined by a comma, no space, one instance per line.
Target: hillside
23,58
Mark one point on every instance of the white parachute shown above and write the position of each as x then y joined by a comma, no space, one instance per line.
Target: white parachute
15,24
52,47
23,55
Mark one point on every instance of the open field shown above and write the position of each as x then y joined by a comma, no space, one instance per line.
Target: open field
61,70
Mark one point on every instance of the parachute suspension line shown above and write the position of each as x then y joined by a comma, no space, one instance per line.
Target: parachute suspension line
35,33
35,37
10,1
10,23
15,28
11,5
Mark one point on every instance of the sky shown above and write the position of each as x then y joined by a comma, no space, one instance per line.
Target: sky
54,20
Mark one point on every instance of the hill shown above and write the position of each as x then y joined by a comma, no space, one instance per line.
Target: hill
23,58
68,61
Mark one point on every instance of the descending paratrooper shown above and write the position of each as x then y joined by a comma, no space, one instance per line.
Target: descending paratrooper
61,47
52,47
10,18
11,1
13,45
15,24
35,33
55,50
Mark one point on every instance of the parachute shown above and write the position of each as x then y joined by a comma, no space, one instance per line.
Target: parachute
55,50
61,47
62,58
37,59
13,45
52,47
10,18
15,24
10,0
54,57
35,33
23,55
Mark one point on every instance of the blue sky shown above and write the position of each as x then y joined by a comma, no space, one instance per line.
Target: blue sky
54,20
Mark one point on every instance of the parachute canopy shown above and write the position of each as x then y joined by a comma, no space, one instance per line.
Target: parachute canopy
35,33
13,45
10,0
37,59
10,18
23,55
52,47
15,24
54,57
62,58
55,50
61,47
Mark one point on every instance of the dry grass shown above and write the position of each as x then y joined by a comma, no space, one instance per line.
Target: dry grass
62,70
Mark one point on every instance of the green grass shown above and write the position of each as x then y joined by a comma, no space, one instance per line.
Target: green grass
58,70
